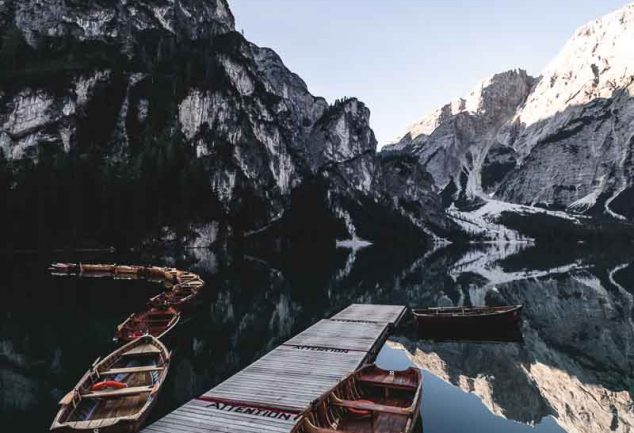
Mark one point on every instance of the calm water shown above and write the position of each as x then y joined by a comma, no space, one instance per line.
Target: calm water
573,372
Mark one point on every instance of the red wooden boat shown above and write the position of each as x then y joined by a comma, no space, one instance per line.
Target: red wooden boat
117,393
128,272
181,296
97,270
155,321
370,400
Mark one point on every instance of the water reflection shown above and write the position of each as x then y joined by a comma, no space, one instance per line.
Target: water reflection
574,370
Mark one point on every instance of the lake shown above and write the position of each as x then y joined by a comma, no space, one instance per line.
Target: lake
573,371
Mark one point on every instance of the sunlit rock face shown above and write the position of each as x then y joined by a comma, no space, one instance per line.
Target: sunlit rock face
579,115
562,140
116,78
515,386
461,138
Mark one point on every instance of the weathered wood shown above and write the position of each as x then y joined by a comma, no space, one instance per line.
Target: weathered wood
142,349
131,370
119,392
265,396
391,314
340,335
372,407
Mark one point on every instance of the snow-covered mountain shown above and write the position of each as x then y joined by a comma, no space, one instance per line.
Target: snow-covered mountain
563,140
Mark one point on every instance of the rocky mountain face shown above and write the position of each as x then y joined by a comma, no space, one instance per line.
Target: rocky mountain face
141,117
563,140
458,143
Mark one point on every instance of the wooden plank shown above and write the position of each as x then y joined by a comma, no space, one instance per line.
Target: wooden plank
288,377
203,417
118,392
391,314
372,407
143,349
340,335
131,370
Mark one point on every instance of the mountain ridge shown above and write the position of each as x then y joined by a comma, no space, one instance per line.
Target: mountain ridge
563,141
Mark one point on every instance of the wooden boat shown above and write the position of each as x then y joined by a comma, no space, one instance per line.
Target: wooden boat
64,268
155,321
183,277
156,273
117,393
180,296
468,317
370,400
96,270
128,272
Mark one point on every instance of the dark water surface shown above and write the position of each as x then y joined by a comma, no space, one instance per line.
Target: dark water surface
573,372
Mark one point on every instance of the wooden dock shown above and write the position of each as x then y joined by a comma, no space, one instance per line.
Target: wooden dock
270,394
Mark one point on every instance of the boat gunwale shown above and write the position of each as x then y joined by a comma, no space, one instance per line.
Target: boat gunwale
465,312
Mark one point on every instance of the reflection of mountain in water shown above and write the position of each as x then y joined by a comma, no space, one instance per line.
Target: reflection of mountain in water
576,362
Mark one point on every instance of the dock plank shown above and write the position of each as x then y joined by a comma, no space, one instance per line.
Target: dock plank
391,314
288,377
340,335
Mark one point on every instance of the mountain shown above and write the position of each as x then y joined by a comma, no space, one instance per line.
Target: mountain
562,141
458,143
128,121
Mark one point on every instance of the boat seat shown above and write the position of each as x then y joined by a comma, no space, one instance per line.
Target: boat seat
142,350
131,370
395,385
372,407
119,392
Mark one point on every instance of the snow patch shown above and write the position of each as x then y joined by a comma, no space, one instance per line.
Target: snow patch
355,243
484,220
585,203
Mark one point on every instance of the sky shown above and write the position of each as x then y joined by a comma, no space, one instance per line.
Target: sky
405,58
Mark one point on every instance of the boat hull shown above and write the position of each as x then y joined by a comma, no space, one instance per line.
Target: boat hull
137,325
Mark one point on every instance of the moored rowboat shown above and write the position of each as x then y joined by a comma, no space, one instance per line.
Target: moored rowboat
180,296
155,321
96,270
370,400
466,317
117,393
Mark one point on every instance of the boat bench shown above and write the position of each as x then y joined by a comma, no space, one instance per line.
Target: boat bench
131,370
119,392
372,407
